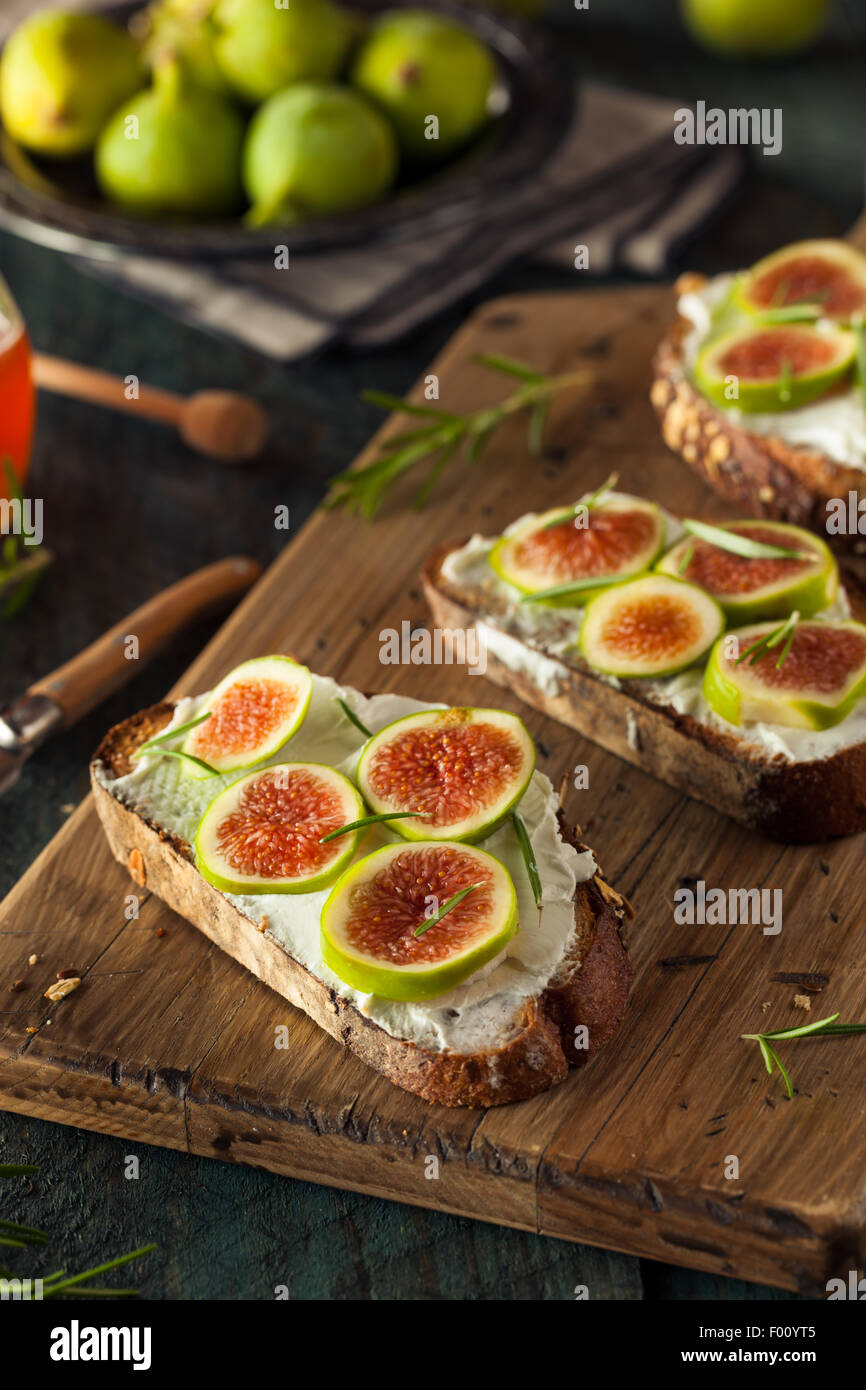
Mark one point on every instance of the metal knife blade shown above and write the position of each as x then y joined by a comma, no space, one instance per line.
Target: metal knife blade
10,768
24,725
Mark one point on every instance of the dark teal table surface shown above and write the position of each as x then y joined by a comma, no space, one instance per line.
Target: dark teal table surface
128,509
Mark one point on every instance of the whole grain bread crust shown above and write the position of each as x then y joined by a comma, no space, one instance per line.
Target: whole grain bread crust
591,987
764,475
797,803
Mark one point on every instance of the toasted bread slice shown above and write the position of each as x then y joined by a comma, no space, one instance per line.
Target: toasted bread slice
802,802
528,1054
762,474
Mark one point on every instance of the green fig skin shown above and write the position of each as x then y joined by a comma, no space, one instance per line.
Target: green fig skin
842,260
500,561
61,77
221,877
768,28
766,396
809,595
392,982
185,160
314,150
727,699
605,603
481,828
262,46
416,65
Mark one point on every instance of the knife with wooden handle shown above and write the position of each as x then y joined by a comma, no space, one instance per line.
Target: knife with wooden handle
75,688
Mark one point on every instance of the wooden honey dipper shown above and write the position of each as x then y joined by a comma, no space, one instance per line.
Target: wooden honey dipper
224,425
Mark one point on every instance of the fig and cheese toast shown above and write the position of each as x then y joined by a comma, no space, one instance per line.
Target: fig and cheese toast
511,1030
797,463
794,784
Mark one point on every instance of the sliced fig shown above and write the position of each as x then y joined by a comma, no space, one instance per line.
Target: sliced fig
653,626
371,920
254,711
813,685
774,367
749,588
829,274
463,770
264,833
618,537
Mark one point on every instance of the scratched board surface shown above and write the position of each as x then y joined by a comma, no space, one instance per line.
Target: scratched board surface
170,1042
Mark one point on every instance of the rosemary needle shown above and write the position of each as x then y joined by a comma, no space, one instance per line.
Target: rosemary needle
363,490
822,1027
368,820
352,717
446,907
56,1284
528,857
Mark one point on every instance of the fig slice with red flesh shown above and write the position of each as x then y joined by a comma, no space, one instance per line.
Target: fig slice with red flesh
253,711
373,932
750,588
774,367
813,685
618,537
650,627
263,834
463,770
831,275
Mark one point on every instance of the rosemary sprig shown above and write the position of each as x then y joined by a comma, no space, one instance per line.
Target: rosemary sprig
446,907
155,747
578,586
363,490
737,544
21,568
822,1027
159,752
60,1285
688,556
792,313
586,504
11,1233
172,734
368,820
352,716
860,333
528,856
783,633
785,377
57,1284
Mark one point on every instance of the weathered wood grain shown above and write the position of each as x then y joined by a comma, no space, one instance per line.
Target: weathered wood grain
170,1041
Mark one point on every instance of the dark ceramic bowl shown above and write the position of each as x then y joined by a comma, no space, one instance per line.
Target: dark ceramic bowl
57,203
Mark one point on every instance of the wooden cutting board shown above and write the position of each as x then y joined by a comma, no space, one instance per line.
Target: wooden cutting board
170,1042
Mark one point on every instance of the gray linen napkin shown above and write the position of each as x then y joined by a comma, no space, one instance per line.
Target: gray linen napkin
618,184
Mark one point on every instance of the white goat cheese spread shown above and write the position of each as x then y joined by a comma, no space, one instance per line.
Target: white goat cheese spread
485,1009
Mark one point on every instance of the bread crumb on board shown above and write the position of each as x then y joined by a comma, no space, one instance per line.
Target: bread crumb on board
802,1001
61,988
135,865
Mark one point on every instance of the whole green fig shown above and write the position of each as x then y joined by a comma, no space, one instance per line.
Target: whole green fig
61,76
431,77
316,149
173,149
772,29
264,45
